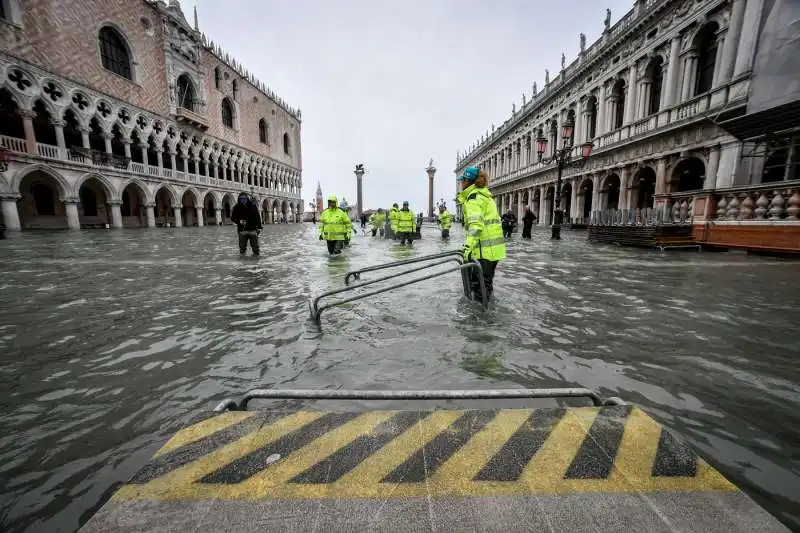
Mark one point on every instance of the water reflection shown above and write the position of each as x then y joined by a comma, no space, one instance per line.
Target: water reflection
110,341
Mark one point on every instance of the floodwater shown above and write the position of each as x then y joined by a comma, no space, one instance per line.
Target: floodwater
111,340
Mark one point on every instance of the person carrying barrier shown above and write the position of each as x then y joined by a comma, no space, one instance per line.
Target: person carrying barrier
334,226
484,233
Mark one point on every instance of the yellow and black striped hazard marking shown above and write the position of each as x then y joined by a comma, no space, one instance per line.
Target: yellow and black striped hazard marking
388,454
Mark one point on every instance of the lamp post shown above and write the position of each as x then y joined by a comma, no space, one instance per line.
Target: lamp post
562,157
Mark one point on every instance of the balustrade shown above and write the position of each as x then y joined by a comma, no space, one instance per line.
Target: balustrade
779,201
97,158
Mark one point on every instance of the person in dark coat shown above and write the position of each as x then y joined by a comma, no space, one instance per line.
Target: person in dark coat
248,223
527,223
508,220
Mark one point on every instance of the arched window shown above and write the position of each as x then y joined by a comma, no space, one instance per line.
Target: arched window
656,75
619,104
216,77
262,131
286,143
591,130
706,47
235,87
185,89
114,52
227,113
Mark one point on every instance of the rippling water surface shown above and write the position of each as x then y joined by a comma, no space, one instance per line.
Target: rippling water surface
111,341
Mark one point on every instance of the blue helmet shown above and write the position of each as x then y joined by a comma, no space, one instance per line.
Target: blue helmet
470,174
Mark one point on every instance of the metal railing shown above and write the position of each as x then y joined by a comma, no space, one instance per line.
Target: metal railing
433,260
229,404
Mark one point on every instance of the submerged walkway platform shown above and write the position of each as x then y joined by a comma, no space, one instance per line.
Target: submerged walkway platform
558,469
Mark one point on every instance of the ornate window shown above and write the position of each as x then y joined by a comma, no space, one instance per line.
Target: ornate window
227,113
656,76
114,52
216,77
262,131
706,47
186,95
619,104
286,146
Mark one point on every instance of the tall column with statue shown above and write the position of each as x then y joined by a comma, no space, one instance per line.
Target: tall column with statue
359,172
431,170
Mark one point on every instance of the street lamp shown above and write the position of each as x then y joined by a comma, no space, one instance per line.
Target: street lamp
562,157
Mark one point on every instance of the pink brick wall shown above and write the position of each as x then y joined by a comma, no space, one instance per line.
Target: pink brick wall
61,36
251,106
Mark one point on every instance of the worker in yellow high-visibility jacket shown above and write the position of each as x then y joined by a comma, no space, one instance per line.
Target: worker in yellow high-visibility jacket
334,226
406,225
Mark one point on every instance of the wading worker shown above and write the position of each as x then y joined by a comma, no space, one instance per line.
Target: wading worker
484,241
445,221
406,225
392,233
378,220
248,223
334,226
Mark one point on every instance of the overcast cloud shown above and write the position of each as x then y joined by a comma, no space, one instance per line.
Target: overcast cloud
395,83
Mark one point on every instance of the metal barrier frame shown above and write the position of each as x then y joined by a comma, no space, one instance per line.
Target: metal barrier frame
356,274
316,309
345,394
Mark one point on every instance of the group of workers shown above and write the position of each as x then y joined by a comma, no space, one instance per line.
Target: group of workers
484,243
485,234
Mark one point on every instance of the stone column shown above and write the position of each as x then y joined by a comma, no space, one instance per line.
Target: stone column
212,169
690,66
431,171
359,172
85,138
200,221
711,169
173,160
661,176
543,206
732,41
196,165
715,80
624,188
673,70
580,120
630,98
151,215
73,220
574,212
746,50
126,143
178,216
30,133
143,151
596,194
11,213
58,126
611,113
107,140
116,214
218,215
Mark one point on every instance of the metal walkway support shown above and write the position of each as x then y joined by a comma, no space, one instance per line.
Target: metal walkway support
344,394
437,260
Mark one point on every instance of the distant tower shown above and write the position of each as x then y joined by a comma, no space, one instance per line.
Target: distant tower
431,170
359,172
320,202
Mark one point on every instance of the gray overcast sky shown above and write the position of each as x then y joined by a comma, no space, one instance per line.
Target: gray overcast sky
393,83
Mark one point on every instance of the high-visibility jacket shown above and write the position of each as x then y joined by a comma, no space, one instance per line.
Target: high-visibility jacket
406,221
334,224
393,218
482,223
378,220
445,221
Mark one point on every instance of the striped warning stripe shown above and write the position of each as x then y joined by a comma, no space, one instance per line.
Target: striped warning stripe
409,453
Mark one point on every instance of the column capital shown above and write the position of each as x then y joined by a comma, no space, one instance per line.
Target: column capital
27,113
114,202
57,123
150,205
72,200
9,196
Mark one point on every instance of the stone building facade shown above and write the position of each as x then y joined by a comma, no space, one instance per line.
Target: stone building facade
649,95
121,112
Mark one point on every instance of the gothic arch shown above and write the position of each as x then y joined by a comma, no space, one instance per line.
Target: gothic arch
109,189
173,194
63,186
